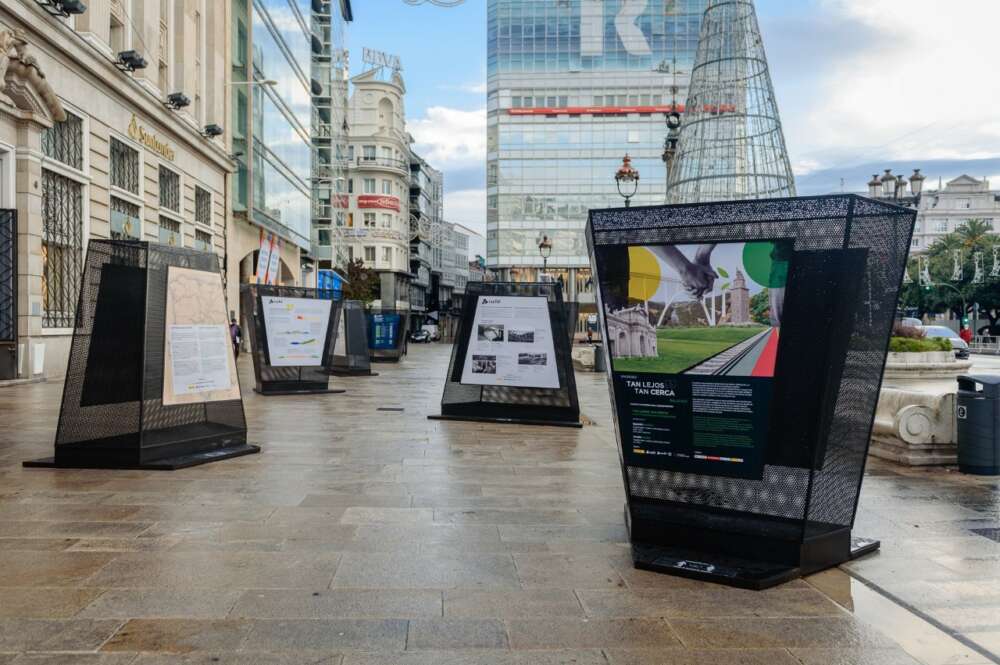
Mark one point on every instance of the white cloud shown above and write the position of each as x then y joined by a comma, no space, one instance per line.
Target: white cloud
467,207
864,80
450,138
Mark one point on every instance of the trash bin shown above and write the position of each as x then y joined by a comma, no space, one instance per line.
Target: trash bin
600,365
978,415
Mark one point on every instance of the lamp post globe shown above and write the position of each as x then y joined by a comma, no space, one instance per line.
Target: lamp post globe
545,250
627,180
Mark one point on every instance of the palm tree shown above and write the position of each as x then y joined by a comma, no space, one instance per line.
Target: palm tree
974,233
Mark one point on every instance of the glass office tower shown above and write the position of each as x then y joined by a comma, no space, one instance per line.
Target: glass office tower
574,85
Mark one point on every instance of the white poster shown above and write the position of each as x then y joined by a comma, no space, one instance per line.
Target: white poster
511,344
296,330
199,358
263,257
198,361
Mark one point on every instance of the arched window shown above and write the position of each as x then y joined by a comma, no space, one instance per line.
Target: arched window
385,113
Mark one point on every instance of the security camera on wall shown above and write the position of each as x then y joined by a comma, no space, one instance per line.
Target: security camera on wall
178,100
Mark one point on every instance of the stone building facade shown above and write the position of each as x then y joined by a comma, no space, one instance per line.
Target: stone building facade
630,334
89,149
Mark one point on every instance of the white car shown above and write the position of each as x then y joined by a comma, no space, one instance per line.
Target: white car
958,344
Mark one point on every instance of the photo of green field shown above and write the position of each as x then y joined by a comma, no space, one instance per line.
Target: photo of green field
681,348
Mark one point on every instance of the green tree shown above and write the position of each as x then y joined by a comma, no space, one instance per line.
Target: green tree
362,282
974,235
760,308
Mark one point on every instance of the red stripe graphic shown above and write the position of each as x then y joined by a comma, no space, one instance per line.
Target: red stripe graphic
765,363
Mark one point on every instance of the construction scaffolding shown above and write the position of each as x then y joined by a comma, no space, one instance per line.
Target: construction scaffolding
731,142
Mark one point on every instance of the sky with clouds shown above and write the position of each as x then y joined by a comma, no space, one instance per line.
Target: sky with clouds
862,85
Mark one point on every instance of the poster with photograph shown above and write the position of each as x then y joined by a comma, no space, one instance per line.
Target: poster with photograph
511,344
199,365
296,330
692,331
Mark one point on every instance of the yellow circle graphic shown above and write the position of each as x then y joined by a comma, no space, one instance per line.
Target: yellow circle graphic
644,274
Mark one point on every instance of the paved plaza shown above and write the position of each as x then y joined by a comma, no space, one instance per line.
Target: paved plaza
365,534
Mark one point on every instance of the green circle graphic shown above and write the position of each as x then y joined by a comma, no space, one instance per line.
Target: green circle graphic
763,266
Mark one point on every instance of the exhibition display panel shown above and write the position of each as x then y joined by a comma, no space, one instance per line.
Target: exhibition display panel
746,343
350,350
511,361
151,381
387,334
292,332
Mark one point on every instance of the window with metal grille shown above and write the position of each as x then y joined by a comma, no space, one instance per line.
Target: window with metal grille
125,224
124,166
170,190
202,206
170,232
63,141
62,248
202,241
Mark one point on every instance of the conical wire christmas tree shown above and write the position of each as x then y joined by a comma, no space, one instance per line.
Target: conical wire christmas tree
731,142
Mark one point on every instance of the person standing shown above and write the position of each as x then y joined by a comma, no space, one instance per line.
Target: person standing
966,334
235,334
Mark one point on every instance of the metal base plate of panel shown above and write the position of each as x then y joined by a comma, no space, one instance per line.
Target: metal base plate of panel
167,464
508,421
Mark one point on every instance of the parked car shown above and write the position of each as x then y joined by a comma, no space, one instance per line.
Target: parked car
910,322
420,337
958,344
432,330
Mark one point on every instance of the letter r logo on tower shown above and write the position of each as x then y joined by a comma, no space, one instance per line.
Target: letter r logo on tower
592,27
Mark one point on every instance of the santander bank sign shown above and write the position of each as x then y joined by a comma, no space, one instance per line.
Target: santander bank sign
376,201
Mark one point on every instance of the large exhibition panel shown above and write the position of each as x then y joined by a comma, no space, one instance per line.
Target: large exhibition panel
293,333
746,342
511,359
151,380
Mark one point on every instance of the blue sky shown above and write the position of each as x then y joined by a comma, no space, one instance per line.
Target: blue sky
860,83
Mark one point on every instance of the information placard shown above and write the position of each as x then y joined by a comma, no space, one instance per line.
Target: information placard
296,330
198,359
510,344
383,332
693,336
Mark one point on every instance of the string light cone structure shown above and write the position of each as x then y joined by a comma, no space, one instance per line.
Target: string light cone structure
731,142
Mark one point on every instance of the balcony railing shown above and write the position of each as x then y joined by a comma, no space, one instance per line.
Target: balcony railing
384,163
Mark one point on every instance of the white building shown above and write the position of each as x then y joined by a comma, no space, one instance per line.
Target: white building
942,211
630,333
378,217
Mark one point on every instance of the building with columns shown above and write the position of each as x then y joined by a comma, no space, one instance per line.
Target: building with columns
89,148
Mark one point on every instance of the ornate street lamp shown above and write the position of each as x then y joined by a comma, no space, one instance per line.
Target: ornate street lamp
917,183
627,180
545,249
874,187
888,185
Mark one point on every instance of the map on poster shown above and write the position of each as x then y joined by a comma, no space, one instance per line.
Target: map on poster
510,344
198,362
296,330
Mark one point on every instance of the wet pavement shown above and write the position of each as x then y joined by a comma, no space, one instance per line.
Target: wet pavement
364,537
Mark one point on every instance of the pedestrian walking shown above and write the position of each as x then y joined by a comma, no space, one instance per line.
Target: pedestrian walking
236,335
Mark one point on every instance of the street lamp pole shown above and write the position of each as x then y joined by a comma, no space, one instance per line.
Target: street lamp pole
627,180
545,250
956,290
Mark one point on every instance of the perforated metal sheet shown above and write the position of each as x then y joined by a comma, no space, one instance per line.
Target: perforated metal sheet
824,497
138,430
511,402
267,376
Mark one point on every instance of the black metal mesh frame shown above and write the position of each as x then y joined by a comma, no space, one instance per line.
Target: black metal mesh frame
271,379
8,276
508,403
355,359
790,502
399,343
136,429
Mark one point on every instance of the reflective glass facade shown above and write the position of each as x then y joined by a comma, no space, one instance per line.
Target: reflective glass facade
272,40
574,85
